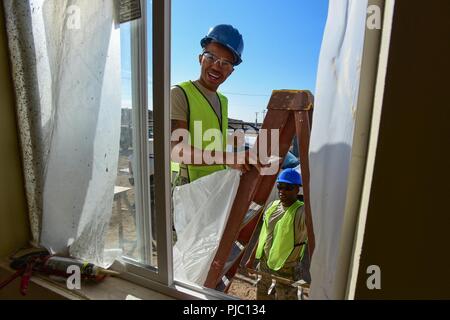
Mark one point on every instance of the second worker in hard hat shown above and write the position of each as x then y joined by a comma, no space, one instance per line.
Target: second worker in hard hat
282,240
197,106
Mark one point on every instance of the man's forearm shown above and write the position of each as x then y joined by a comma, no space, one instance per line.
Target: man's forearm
187,154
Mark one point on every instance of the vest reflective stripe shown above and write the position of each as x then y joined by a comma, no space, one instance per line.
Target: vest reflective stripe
199,109
302,253
174,166
283,236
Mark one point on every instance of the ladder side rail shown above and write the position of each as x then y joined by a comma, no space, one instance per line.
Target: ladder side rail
303,136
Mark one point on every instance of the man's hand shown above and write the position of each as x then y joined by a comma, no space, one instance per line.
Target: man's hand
267,166
244,168
244,161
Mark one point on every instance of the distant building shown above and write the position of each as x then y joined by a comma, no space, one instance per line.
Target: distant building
235,124
126,126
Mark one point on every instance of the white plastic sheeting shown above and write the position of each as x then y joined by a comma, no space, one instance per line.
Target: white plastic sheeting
201,210
332,134
70,67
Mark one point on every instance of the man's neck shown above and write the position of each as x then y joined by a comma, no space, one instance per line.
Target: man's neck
288,203
200,82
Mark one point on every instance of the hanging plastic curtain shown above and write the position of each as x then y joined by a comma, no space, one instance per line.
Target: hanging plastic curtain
65,57
332,134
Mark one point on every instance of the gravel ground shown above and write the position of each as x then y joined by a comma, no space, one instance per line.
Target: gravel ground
242,290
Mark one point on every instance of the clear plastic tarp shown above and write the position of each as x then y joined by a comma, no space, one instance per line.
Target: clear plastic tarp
201,210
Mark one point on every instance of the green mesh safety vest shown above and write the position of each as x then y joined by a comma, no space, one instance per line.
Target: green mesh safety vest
200,110
283,236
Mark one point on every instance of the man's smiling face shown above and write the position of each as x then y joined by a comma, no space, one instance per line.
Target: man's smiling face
214,74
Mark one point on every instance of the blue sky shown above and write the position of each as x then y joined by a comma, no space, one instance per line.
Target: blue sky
282,42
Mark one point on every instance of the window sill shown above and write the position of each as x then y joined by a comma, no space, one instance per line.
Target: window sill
112,288
42,287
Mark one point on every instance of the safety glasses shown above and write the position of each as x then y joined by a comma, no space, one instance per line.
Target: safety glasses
223,63
285,186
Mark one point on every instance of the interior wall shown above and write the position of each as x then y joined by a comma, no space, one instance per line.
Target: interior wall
14,231
407,229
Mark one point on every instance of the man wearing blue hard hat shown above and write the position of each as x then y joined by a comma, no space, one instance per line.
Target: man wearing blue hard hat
199,102
282,241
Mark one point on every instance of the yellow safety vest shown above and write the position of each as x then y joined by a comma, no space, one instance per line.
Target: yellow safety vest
199,109
283,236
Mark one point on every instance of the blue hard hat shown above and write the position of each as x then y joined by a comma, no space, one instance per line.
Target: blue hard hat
227,36
291,176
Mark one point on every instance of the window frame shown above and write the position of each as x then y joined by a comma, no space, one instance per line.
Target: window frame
364,147
158,278
139,90
139,76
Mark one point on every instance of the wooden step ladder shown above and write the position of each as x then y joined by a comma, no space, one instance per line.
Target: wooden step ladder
289,111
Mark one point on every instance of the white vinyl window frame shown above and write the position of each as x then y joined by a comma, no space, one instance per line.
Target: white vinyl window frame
364,147
161,278
161,76
158,278
139,76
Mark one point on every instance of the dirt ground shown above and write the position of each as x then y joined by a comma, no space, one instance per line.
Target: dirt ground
123,217
242,290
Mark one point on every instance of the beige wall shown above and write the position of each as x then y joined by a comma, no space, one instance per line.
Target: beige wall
408,225
14,231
